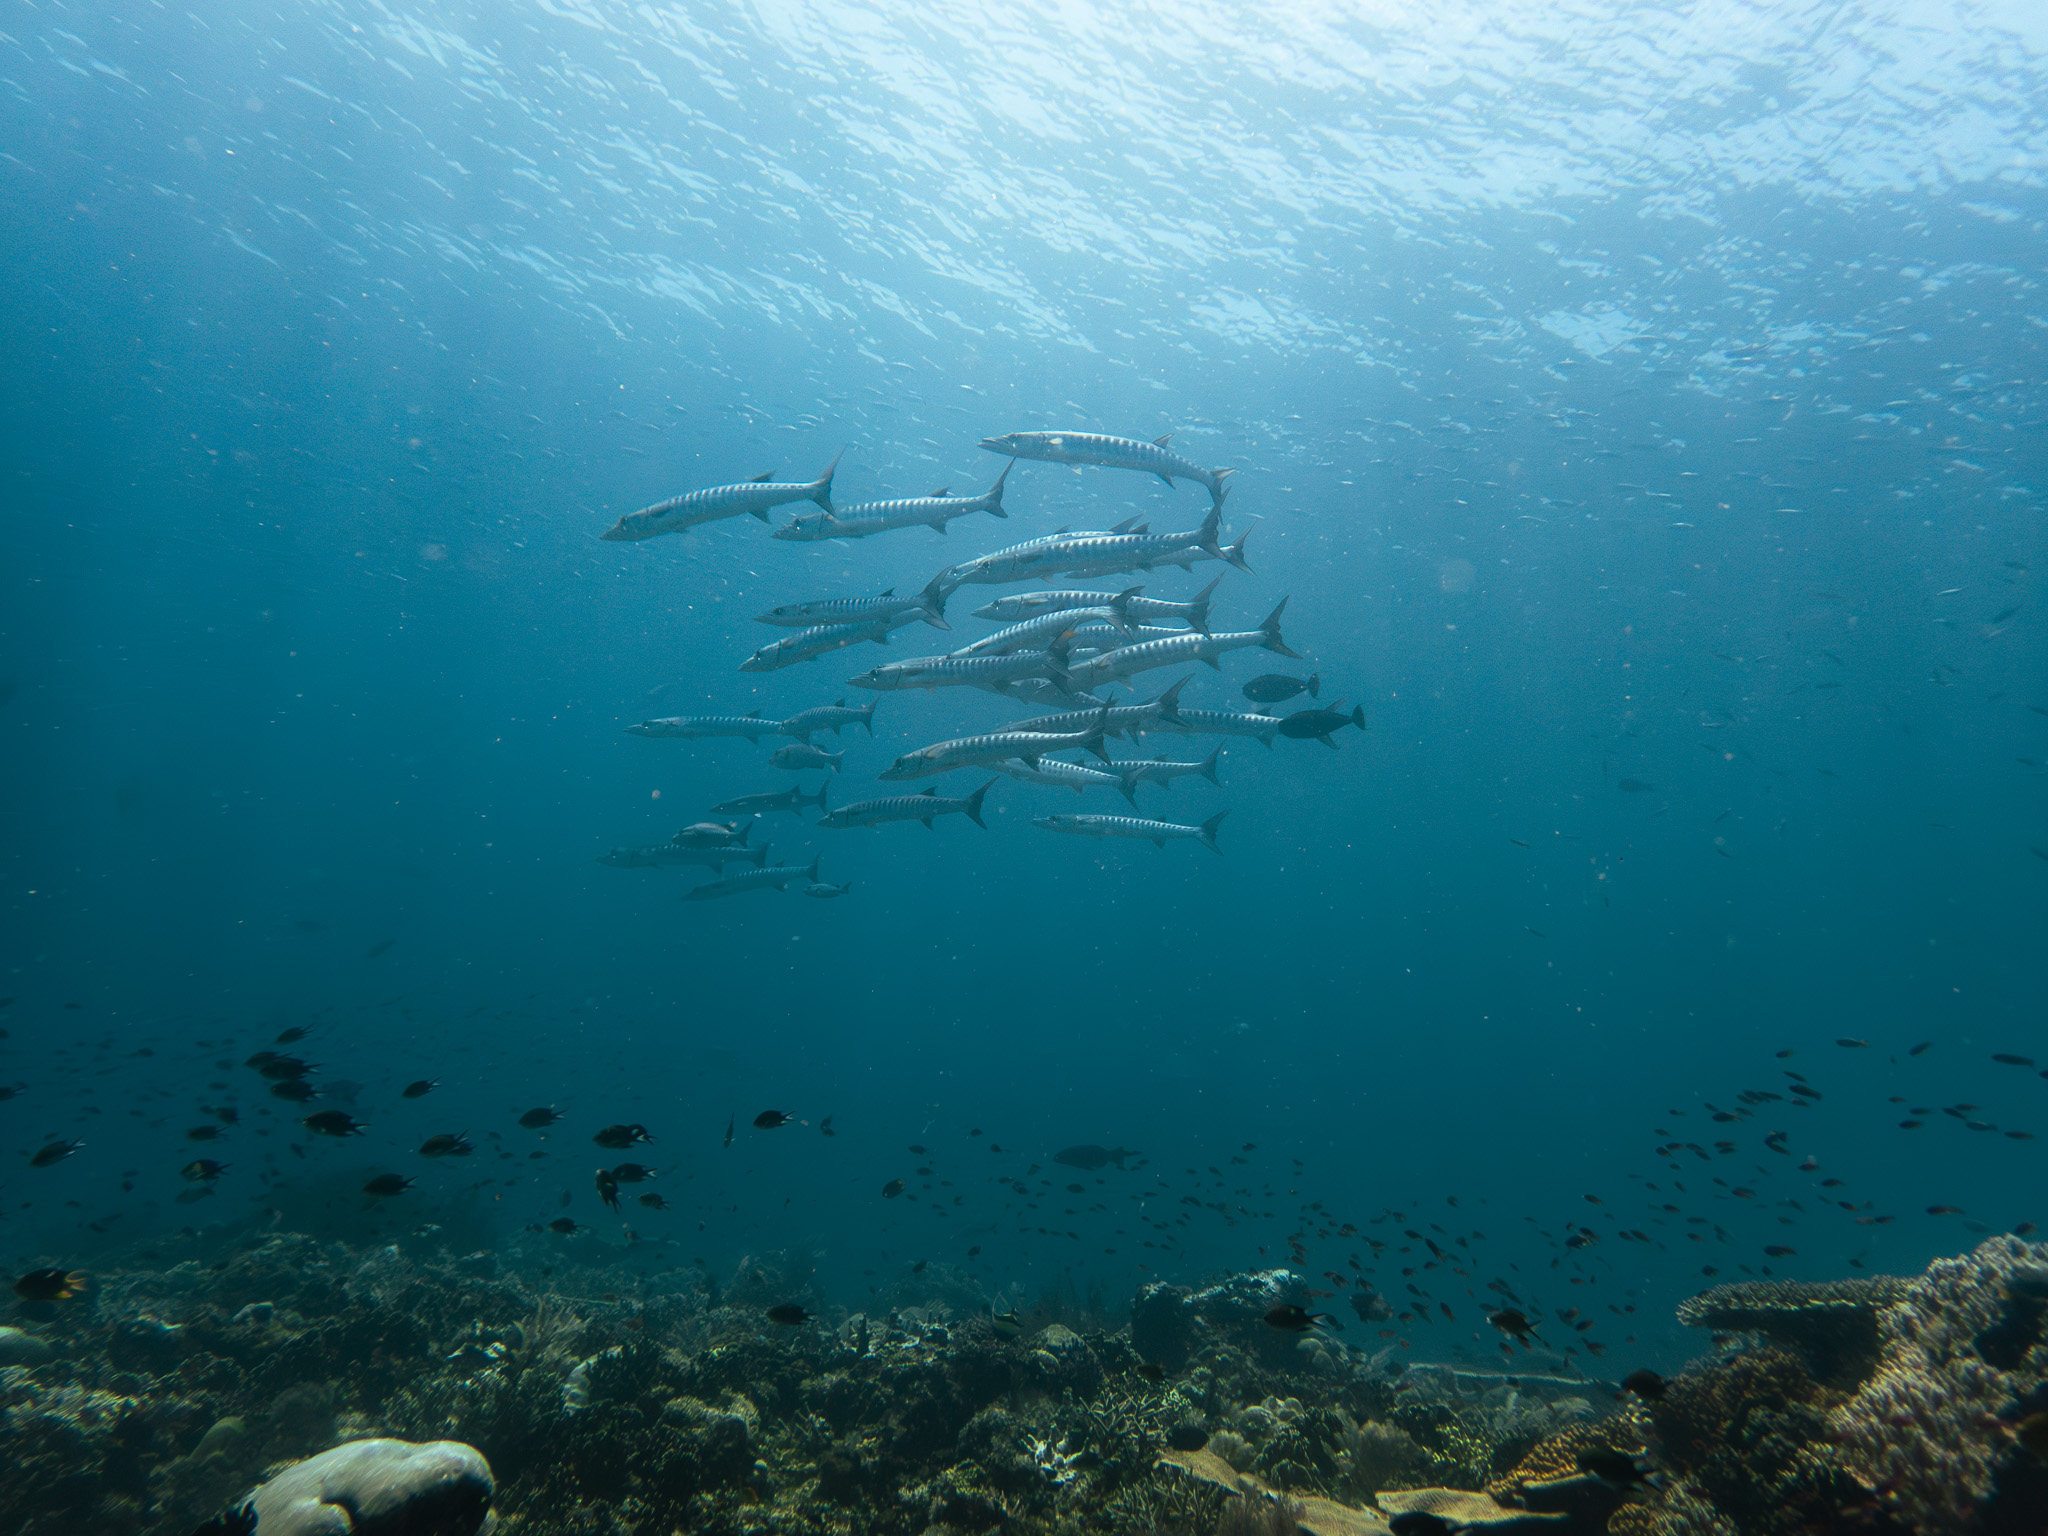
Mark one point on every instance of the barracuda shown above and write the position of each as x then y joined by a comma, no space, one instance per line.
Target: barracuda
1074,776
828,717
872,517
810,644
1124,719
1033,634
925,808
1153,458
776,879
995,673
670,855
1159,832
708,506
1133,659
1139,550
1100,637
993,747
929,605
1155,770
1030,605
698,727
1015,562
1217,722
792,800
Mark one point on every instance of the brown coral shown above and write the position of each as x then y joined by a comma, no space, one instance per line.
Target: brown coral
1831,1325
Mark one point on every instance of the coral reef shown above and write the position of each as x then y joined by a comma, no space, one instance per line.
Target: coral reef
1831,1326
374,1487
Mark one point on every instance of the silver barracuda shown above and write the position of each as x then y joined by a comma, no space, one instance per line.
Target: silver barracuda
1140,549
995,673
1122,719
799,756
1232,554
1074,776
868,518
925,808
1036,634
822,640
673,855
1101,637
1191,646
1015,563
698,727
1160,832
1044,691
1217,722
774,878
792,800
708,506
715,834
1154,770
929,605
828,717
994,746
1153,458
1017,606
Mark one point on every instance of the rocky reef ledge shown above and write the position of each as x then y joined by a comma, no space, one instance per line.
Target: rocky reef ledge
597,1399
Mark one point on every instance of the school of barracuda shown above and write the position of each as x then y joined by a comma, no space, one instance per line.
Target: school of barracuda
1057,648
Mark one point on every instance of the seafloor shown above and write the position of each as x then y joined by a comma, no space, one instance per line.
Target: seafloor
614,1401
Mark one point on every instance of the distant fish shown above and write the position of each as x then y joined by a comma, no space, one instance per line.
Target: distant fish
420,1089
769,1119
619,1137
788,1314
332,1122
49,1285
1153,458
801,755
54,1153
1634,786
385,1185
457,1144
1853,1044
1091,1157
2012,1061
892,1189
755,497
535,1119
1319,724
1292,1319
1646,1384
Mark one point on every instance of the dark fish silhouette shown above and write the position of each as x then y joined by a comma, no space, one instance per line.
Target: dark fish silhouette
332,1122
49,1285
1317,724
769,1119
1634,786
1647,1385
534,1119
892,1189
789,1314
1292,1319
632,1173
202,1170
1513,1324
619,1137
1276,687
420,1089
1091,1157
386,1185
562,1224
608,1188
457,1145
654,1202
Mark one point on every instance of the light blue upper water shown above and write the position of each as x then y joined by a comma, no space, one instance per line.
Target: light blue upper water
1642,411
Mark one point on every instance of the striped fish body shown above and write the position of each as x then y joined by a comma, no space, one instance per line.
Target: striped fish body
1120,719
1018,606
993,672
1159,832
757,497
1216,722
1154,770
1101,637
928,605
698,727
1033,634
1186,645
827,717
993,747
810,644
868,518
1153,458
776,878
1015,563
926,808
1075,776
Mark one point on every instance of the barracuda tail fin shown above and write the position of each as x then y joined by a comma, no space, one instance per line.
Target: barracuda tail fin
812,872
1169,701
1358,717
1271,629
1234,553
1210,531
1120,606
821,488
819,799
1198,607
1127,786
994,494
973,806
1219,486
836,759
761,856
931,602
1208,765
1206,834
867,716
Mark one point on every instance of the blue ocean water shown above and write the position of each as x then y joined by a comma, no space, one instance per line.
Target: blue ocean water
1640,409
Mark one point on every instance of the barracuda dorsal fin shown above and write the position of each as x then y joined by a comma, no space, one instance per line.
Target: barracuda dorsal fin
931,792
1161,442
943,490
886,592
1128,525
753,714
763,478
